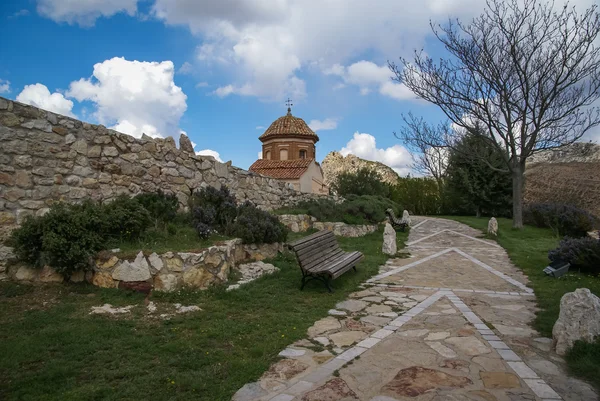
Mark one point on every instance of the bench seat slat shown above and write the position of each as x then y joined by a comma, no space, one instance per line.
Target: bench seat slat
323,261
347,260
317,247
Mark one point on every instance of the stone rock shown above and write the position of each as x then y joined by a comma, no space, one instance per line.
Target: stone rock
375,320
489,364
25,273
172,263
138,270
186,309
579,319
104,280
441,349
499,379
413,333
375,309
469,345
374,299
166,282
107,264
406,218
49,275
335,389
335,312
389,246
250,392
351,305
417,380
514,330
108,309
324,341
324,325
185,144
198,277
285,369
346,338
493,227
156,262
436,336
292,353
77,277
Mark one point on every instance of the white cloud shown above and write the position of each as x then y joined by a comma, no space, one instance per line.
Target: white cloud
365,146
210,152
38,95
327,124
21,13
4,86
259,155
260,127
134,97
201,84
368,76
84,12
186,68
265,45
224,91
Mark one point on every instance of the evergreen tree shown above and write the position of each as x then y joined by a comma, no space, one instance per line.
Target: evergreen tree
365,181
475,184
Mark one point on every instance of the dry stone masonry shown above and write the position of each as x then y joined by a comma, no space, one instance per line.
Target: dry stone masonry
167,272
46,157
303,222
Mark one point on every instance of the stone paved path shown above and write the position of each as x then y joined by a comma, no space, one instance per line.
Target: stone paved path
452,322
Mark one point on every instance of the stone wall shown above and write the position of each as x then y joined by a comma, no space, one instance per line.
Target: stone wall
167,272
303,222
47,157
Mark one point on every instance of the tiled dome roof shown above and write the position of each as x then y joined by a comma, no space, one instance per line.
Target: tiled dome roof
289,125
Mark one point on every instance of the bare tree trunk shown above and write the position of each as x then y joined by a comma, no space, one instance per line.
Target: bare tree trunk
517,181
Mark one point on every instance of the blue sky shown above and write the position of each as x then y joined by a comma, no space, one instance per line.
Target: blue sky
220,70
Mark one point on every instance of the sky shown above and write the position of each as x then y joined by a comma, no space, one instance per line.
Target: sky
221,71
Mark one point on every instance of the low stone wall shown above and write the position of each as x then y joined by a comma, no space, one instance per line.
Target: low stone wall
303,222
167,272
46,157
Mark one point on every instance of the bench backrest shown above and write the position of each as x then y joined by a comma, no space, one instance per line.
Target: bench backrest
315,248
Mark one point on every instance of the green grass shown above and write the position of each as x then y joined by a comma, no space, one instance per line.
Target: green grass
183,239
53,350
528,249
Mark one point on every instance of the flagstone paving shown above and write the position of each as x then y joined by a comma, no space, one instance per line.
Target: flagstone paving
451,322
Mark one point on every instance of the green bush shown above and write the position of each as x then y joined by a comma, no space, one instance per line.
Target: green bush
124,218
217,211
255,226
161,207
365,209
418,195
365,181
565,220
65,238
581,253
69,235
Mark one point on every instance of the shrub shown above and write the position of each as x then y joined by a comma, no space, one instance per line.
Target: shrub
365,181
65,238
363,209
566,220
125,218
161,207
255,226
418,195
68,235
209,202
581,253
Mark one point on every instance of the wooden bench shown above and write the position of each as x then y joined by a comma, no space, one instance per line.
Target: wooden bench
321,258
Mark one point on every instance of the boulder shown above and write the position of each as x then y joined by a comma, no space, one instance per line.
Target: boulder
389,240
406,217
493,227
185,144
579,319
138,270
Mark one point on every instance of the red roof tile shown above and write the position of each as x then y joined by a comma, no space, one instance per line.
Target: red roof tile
281,169
289,125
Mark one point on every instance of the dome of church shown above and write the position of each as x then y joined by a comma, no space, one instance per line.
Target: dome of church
288,126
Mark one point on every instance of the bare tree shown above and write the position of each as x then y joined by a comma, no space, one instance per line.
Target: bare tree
526,72
429,159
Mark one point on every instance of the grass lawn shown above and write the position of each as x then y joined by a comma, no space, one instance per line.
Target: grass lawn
528,249
52,349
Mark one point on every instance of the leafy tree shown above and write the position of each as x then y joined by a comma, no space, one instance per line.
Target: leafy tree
471,185
365,181
525,69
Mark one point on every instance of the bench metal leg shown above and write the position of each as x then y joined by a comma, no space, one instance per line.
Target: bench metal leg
306,278
354,267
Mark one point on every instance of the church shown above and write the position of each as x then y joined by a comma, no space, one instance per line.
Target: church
289,154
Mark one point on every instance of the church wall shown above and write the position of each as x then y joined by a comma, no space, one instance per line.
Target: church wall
45,157
293,147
